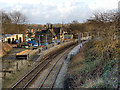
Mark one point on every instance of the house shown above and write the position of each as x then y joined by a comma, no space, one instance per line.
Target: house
57,32
33,28
43,36
68,37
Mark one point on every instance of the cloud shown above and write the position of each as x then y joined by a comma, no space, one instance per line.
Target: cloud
56,11
104,4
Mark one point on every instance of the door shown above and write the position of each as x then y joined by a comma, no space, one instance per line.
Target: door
12,40
20,39
9,41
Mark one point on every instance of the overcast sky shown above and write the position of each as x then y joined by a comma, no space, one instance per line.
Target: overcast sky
57,11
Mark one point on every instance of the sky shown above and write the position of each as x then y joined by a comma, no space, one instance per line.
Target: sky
57,11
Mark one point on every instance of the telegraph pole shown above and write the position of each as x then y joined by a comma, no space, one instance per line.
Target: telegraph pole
39,40
78,37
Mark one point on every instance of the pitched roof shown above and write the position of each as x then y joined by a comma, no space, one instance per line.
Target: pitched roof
56,30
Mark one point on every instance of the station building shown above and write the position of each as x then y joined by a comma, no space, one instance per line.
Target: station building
11,38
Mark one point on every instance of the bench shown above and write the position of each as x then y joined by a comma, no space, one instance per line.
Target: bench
23,54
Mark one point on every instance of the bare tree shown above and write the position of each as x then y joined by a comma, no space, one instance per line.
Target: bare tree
19,21
6,22
14,22
18,18
107,26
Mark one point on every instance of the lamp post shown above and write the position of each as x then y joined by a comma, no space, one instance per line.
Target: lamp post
39,39
46,38
39,44
79,37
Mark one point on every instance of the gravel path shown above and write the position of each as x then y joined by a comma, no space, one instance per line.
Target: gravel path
60,80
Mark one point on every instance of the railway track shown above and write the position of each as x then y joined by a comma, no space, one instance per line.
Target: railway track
52,83
47,75
53,73
29,77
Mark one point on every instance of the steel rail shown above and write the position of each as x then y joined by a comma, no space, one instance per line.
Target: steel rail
56,75
35,75
20,80
25,86
51,70
25,75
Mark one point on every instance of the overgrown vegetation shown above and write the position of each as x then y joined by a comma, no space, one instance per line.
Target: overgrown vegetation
93,71
99,68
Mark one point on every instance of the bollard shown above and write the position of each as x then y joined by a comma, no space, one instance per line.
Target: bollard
52,45
39,50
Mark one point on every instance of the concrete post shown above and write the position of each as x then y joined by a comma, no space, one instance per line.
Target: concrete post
82,35
39,40
98,34
17,66
46,38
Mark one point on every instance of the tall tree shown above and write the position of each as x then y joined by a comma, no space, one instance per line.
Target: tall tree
19,21
6,22
106,25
